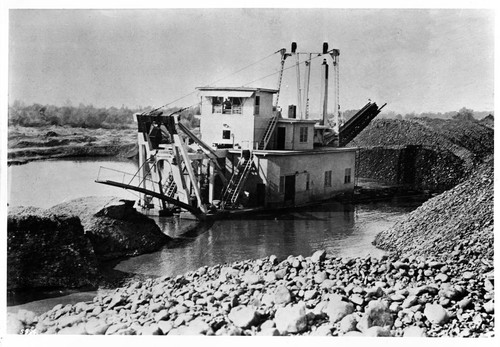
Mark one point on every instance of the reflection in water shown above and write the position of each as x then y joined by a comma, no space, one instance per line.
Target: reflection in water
342,229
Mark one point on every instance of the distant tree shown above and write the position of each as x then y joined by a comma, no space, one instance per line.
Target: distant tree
410,115
464,114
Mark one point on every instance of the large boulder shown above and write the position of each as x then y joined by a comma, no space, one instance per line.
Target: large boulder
47,250
114,227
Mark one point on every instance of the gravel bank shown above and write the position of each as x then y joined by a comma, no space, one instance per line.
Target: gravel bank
457,223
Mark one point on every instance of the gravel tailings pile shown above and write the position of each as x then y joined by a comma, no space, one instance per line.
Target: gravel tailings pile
317,295
457,224
422,153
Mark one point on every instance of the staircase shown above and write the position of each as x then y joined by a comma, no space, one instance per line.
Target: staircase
237,182
269,132
357,123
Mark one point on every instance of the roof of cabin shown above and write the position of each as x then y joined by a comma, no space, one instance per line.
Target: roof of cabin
237,89
296,120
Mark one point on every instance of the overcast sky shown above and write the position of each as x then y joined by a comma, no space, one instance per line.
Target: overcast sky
415,60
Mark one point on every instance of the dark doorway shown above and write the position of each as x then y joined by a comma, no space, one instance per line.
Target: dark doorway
290,189
281,138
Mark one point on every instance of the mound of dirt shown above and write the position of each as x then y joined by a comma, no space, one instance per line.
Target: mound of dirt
457,224
422,153
114,227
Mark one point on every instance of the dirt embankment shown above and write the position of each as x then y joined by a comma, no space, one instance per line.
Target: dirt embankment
47,250
422,153
27,143
114,227
63,246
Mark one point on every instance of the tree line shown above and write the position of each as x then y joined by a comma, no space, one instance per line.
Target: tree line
86,116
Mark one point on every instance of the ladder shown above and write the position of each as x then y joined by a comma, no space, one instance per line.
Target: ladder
171,188
237,182
269,132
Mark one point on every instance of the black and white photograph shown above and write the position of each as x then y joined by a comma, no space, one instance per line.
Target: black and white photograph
249,171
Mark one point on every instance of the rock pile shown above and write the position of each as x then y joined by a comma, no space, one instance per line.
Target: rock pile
317,295
47,250
424,153
457,224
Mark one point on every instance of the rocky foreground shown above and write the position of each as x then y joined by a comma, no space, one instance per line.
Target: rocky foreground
317,295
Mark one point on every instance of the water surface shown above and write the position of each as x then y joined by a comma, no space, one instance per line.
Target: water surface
344,230
50,182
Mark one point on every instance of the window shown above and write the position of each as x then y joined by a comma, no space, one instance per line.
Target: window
226,134
257,105
282,184
308,180
328,178
303,134
217,104
347,177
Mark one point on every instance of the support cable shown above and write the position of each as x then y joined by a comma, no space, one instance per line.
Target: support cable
223,78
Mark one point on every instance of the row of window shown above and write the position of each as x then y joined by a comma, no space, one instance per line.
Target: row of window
232,105
328,179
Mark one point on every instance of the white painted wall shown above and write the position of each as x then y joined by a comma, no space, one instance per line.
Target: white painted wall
315,165
246,128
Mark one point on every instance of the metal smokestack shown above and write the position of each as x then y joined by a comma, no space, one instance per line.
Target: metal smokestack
325,47
324,92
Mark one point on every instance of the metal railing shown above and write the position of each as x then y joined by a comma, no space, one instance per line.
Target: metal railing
109,174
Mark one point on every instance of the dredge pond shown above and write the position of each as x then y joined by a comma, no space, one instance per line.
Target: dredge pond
345,230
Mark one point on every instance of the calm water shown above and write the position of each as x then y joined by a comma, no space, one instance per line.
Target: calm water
342,229
48,183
